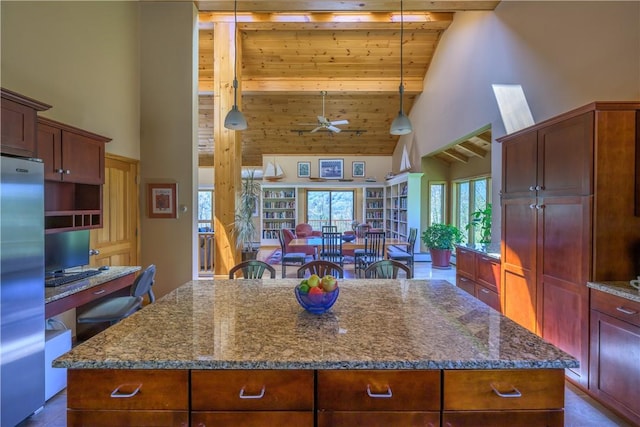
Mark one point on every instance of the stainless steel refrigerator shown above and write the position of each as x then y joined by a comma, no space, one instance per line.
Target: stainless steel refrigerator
21,289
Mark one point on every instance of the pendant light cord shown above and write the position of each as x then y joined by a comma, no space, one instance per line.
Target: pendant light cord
401,56
235,52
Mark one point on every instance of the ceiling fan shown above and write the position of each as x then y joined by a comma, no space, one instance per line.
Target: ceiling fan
324,123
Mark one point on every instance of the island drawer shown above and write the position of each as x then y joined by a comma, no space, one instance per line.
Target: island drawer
478,390
548,418
252,418
379,390
618,307
252,390
127,389
95,418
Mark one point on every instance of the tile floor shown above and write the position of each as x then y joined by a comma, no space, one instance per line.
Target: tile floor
580,409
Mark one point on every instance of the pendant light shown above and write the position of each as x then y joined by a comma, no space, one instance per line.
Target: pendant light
235,119
401,124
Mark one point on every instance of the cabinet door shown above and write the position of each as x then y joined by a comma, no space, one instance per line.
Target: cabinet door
18,129
565,157
488,272
519,159
50,151
466,262
82,159
488,297
564,247
518,284
466,284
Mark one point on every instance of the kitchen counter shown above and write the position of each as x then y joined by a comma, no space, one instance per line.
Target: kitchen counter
52,294
258,324
618,288
492,250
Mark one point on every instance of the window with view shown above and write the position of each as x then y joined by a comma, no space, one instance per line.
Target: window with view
330,208
471,196
205,210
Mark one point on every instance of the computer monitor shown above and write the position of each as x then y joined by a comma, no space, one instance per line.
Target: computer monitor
65,250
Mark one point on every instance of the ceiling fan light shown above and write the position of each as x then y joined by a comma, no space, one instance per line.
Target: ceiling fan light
401,125
235,119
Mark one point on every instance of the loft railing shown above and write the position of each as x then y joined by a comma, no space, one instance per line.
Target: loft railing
205,253
342,224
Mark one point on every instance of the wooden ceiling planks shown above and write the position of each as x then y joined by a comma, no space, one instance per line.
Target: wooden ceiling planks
288,59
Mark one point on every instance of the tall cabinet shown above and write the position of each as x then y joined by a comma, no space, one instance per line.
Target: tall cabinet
568,218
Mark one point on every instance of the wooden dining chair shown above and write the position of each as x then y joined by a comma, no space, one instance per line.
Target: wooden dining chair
321,268
373,251
332,248
252,269
406,256
289,258
386,269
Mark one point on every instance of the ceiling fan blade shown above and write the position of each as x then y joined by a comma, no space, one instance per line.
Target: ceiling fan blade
316,129
322,120
333,129
339,122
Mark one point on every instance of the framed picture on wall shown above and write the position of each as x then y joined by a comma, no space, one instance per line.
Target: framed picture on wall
304,169
162,200
331,168
358,169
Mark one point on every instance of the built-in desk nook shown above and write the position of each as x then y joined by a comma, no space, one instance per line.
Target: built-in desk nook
389,352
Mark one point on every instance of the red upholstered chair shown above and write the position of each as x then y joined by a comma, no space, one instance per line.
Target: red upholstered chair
305,230
288,236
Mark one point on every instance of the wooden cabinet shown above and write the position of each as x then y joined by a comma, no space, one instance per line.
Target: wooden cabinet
567,218
479,275
615,352
374,206
503,397
378,398
19,115
74,174
107,397
252,397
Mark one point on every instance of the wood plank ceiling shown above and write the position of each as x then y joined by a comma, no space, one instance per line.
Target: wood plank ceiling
289,52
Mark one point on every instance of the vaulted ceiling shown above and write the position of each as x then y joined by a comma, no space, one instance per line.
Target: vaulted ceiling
291,51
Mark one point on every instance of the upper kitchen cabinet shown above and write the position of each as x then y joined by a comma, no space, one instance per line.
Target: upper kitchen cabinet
568,203
19,115
70,154
74,174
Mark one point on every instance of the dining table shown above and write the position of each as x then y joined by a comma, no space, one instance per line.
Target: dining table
357,243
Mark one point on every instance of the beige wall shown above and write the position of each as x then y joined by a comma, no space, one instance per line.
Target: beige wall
80,57
168,135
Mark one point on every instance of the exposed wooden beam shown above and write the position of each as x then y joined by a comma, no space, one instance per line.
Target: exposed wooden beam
455,155
485,136
473,149
303,86
344,6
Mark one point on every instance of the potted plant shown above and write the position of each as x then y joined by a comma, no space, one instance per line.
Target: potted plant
480,224
441,239
244,228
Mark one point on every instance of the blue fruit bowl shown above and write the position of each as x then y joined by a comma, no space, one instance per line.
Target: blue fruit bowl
317,303
348,237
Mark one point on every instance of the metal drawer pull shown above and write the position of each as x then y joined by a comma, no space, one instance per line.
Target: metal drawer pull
251,396
101,291
514,392
626,311
116,392
386,395
484,291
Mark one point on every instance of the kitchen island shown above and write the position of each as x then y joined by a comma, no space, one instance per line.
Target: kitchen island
390,352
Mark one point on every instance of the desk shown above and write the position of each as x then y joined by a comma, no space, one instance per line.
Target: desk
62,298
358,243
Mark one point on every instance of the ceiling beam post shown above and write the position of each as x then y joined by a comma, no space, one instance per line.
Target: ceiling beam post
227,149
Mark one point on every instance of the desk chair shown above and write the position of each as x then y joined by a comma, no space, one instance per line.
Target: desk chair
332,248
373,251
290,258
386,269
115,309
321,268
252,269
405,256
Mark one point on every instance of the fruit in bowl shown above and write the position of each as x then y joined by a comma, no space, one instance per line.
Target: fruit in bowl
317,295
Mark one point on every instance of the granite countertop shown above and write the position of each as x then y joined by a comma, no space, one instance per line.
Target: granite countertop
258,324
492,250
618,288
55,293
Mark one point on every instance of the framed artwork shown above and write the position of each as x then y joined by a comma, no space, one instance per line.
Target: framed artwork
162,200
304,169
358,170
331,168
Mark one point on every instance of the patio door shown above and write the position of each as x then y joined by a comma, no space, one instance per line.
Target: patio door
330,207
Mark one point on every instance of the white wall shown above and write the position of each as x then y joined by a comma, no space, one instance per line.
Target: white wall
80,57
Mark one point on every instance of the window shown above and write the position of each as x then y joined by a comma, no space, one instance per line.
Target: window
469,196
205,210
330,208
436,202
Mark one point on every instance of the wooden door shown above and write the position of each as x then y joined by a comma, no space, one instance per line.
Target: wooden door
117,240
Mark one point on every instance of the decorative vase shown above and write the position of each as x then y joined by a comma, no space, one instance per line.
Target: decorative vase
440,258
